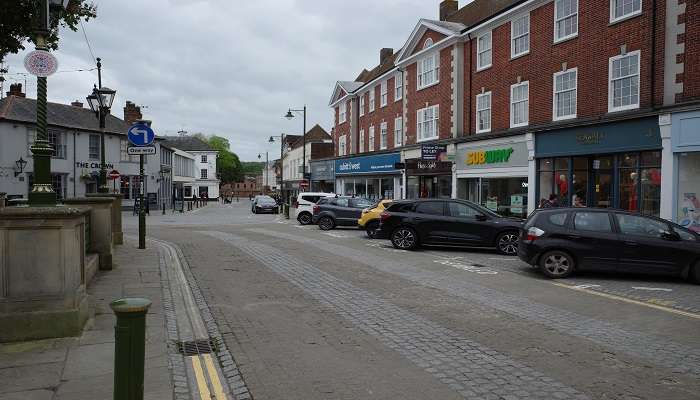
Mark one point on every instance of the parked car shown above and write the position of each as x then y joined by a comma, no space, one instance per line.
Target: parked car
262,203
330,212
562,241
409,224
369,220
304,205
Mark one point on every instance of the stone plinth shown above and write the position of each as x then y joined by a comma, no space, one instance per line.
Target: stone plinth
101,216
42,272
117,234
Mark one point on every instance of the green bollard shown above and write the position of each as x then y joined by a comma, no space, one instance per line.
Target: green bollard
129,347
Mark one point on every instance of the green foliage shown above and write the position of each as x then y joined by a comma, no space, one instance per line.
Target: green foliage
17,23
252,168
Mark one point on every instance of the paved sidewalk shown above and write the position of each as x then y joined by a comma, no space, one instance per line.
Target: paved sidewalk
82,367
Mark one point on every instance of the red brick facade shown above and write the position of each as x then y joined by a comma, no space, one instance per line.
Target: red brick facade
388,113
691,58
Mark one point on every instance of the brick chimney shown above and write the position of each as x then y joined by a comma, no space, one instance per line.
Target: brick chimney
16,90
384,54
77,103
132,113
447,8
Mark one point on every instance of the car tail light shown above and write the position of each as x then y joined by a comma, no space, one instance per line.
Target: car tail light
317,208
384,216
533,233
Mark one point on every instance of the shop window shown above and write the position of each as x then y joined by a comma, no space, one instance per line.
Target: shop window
506,196
603,181
650,181
688,214
636,225
592,222
431,208
580,181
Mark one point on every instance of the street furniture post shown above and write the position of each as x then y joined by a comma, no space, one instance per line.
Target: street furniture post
142,209
129,347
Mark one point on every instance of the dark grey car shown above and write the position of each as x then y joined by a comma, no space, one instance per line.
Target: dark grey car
339,211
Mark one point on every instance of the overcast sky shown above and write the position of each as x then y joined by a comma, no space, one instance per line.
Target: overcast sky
228,67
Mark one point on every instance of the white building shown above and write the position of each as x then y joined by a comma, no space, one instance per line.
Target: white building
74,133
206,182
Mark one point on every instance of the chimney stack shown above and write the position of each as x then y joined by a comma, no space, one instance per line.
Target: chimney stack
77,103
447,8
16,90
384,54
132,113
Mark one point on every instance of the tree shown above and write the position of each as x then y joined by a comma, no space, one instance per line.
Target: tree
227,163
17,23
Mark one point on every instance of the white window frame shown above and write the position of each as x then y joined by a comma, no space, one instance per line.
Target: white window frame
485,109
527,107
555,93
633,14
362,104
611,108
370,139
342,112
92,155
480,51
434,73
383,94
422,123
572,35
203,173
398,131
513,38
427,43
371,99
362,141
341,145
398,86
383,136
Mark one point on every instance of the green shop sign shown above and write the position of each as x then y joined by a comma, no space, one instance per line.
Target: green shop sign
489,156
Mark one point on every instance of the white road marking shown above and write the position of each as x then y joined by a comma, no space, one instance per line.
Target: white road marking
652,289
466,267
335,235
586,286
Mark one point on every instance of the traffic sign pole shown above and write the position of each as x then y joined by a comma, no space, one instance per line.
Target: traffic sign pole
141,135
142,209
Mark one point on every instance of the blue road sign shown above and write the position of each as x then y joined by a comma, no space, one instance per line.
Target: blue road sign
141,135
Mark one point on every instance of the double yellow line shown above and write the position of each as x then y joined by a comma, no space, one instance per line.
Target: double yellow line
207,378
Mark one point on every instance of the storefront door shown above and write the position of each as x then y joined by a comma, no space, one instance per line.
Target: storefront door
602,181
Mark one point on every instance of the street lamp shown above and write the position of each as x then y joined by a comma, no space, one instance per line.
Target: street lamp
20,164
272,140
267,168
289,116
100,102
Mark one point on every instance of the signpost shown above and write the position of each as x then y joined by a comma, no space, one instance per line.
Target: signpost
141,136
114,175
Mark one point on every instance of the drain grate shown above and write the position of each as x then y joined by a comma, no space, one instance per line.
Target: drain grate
195,347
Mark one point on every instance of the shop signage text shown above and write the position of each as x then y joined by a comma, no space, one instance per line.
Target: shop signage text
590,138
432,151
368,164
94,165
489,156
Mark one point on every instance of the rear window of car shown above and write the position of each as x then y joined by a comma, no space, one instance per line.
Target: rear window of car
431,208
592,222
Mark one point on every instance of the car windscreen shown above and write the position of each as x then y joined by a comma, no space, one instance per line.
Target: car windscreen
266,200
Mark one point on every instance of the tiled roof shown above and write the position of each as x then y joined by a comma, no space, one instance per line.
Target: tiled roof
22,109
187,143
480,10
350,86
368,76
315,134
452,26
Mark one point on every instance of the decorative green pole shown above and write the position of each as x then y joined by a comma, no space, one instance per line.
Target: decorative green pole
42,193
129,347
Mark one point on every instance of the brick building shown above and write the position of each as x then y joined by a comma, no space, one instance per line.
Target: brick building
593,102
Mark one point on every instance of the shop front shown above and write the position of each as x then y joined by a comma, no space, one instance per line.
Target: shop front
427,179
322,176
685,139
615,165
374,177
494,173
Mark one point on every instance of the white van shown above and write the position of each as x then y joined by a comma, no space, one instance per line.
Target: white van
304,205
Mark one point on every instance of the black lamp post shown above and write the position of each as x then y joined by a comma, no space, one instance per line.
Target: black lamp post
100,102
289,116
272,140
20,164
267,167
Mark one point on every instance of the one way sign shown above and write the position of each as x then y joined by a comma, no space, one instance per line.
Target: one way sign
141,135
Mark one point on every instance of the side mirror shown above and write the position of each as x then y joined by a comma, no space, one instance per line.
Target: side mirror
481,217
672,236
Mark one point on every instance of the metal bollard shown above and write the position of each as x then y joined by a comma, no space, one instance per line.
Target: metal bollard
129,347
163,208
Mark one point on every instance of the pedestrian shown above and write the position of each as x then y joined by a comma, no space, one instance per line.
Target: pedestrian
194,199
552,202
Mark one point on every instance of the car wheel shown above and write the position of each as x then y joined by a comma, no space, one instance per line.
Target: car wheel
695,273
557,264
372,229
404,238
507,243
326,223
304,218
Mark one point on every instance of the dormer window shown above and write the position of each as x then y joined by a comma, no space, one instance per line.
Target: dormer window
428,42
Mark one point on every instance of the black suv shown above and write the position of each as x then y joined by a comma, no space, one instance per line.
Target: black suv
448,223
330,212
563,240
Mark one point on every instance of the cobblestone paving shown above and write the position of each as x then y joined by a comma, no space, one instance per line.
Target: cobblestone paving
677,357
469,368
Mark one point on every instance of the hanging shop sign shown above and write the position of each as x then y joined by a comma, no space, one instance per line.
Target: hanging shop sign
433,152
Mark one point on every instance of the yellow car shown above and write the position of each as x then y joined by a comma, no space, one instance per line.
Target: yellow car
369,220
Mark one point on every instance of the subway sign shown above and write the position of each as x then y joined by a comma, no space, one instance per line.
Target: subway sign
489,156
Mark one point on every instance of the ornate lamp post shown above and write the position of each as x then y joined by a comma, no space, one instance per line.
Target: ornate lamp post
289,116
100,102
272,140
20,164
